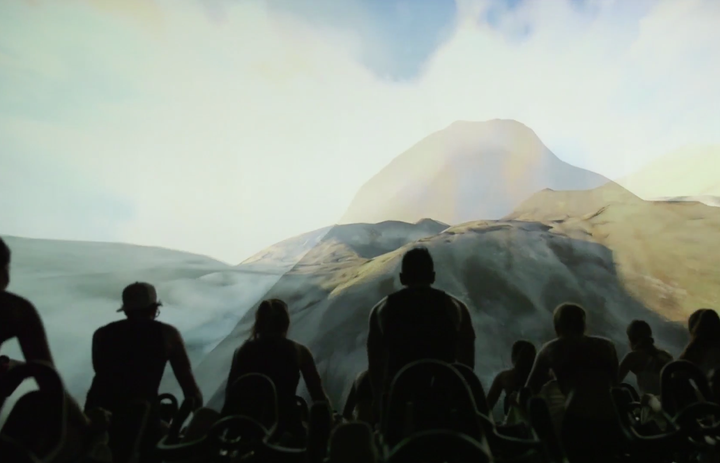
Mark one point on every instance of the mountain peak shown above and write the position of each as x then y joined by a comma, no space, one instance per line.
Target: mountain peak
467,171
490,123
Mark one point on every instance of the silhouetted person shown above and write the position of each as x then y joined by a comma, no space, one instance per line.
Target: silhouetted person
644,359
693,319
704,347
586,367
417,322
19,319
268,351
129,358
358,405
511,381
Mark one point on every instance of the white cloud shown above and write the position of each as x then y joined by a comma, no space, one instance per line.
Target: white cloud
231,133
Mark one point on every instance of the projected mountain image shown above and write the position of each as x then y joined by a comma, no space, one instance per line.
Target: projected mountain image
597,243
177,177
604,248
688,174
467,171
77,287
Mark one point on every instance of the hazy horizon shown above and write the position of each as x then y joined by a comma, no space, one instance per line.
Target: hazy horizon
222,127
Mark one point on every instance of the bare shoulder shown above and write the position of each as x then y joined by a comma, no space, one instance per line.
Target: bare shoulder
303,352
16,306
169,329
377,307
377,312
172,336
601,341
549,346
665,355
457,301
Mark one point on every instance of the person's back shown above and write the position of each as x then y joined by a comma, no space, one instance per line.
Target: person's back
513,380
586,367
129,358
417,322
275,357
650,365
704,346
270,353
645,360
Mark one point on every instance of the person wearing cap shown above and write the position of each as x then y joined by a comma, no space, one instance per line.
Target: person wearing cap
129,356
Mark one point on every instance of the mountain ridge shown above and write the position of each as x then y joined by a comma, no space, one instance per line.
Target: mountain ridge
466,171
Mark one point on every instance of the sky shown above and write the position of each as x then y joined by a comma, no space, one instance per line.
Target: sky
221,127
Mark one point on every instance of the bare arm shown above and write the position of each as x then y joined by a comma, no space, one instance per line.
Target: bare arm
350,403
539,372
311,376
35,348
181,366
495,390
95,351
31,334
234,371
614,365
626,366
466,341
376,355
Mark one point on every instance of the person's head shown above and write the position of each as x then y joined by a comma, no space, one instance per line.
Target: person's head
4,265
569,320
140,301
639,334
693,320
707,326
418,268
523,355
271,319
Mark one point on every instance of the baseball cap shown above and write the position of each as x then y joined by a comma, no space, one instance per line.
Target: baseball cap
138,296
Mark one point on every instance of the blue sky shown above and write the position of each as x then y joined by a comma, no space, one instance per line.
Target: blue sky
165,122
408,31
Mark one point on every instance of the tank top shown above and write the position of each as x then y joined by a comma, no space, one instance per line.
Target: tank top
277,358
130,357
648,378
416,324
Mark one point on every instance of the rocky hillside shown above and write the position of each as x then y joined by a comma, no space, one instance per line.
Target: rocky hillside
621,257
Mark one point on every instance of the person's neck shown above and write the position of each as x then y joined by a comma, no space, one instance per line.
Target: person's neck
418,285
642,345
571,336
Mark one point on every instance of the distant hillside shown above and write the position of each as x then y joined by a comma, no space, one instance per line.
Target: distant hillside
664,251
621,257
510,273
348,241
469,170
77,288
689,174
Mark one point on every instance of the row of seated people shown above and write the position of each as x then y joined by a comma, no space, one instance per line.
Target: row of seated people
573,374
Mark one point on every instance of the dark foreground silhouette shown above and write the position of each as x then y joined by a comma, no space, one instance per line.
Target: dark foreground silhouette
420,400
